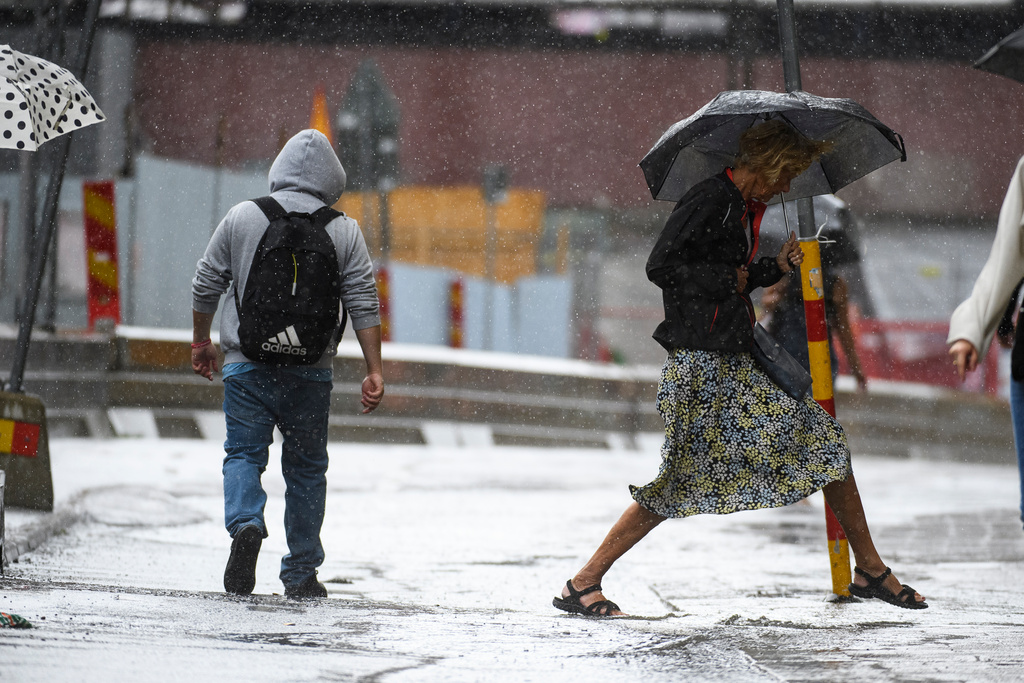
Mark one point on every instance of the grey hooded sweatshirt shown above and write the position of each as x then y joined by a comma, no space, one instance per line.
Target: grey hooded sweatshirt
305,176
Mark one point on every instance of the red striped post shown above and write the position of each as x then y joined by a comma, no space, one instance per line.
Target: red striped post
102,290
813,285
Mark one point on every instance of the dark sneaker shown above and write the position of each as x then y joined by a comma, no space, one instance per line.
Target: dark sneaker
240,572
310,588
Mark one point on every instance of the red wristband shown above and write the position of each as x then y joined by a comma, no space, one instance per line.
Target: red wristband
201,344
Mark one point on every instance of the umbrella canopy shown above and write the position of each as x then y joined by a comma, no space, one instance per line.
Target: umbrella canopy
1006,57
39,101
702,145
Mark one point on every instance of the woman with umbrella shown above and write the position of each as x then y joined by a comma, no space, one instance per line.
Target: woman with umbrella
733,439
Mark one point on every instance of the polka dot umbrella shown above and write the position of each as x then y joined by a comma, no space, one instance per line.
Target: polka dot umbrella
40,101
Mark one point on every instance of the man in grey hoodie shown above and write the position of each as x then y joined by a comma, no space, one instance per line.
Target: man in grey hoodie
258,397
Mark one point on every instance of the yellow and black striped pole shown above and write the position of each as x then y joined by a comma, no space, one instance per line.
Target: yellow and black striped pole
813,284
814,305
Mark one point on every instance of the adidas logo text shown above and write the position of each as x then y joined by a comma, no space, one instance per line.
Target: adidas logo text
285,342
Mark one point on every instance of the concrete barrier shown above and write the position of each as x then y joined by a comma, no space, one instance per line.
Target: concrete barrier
25,452
97,386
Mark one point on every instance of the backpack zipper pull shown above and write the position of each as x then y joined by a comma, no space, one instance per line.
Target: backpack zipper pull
295,277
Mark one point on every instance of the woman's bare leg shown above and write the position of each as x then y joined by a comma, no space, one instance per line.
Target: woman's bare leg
633,525
844,499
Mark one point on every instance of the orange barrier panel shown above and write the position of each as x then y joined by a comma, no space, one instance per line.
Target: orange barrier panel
447,227
102,290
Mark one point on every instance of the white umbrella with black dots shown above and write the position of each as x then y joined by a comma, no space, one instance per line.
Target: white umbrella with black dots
39,101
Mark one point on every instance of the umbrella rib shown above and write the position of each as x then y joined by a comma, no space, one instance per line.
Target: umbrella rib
67,103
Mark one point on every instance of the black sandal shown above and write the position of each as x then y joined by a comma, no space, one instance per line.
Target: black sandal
875,589
571,603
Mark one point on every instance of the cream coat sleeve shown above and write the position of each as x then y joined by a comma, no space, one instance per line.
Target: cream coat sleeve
977,318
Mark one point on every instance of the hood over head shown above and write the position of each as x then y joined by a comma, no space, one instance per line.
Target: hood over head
307,163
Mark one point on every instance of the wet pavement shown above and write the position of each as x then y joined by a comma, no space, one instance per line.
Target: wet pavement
441,565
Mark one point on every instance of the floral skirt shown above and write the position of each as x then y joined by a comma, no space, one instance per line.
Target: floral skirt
735,441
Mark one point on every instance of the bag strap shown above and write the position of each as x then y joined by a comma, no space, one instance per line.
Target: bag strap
321,217
324,215
270,208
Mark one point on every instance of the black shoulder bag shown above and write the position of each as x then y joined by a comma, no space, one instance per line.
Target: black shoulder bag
781,368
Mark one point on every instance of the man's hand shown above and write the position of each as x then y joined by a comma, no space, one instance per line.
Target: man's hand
204,353
965,357
204,361
373,392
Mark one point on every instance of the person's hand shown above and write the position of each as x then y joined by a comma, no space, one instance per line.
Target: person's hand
965,357
741,279
790,255
204,361
373,392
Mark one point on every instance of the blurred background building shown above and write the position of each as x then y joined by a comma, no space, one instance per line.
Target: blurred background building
553,104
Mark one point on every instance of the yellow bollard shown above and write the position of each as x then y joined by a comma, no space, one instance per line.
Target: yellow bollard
813,284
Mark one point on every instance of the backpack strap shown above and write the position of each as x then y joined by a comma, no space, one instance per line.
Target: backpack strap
324,215
273,210
321,217
270,208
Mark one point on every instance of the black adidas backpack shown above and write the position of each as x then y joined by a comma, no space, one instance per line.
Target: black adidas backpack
288,314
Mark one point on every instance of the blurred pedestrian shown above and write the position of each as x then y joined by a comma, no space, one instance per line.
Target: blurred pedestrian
290,390
977,319
733,440
783,304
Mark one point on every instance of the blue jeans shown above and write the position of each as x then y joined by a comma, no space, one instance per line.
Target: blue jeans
255,402
1017,413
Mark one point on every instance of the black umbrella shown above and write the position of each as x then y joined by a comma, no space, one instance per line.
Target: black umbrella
1006,57
702,145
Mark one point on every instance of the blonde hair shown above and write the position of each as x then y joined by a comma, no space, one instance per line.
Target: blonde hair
774,148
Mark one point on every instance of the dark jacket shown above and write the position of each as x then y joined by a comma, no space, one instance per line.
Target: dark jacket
694,263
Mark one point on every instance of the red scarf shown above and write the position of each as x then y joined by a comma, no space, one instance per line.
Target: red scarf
754,212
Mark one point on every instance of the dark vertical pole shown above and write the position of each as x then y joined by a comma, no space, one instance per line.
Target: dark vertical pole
49,317
44,31
791,73
384,214
812,286
490,259
787,37
42,246
28,187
